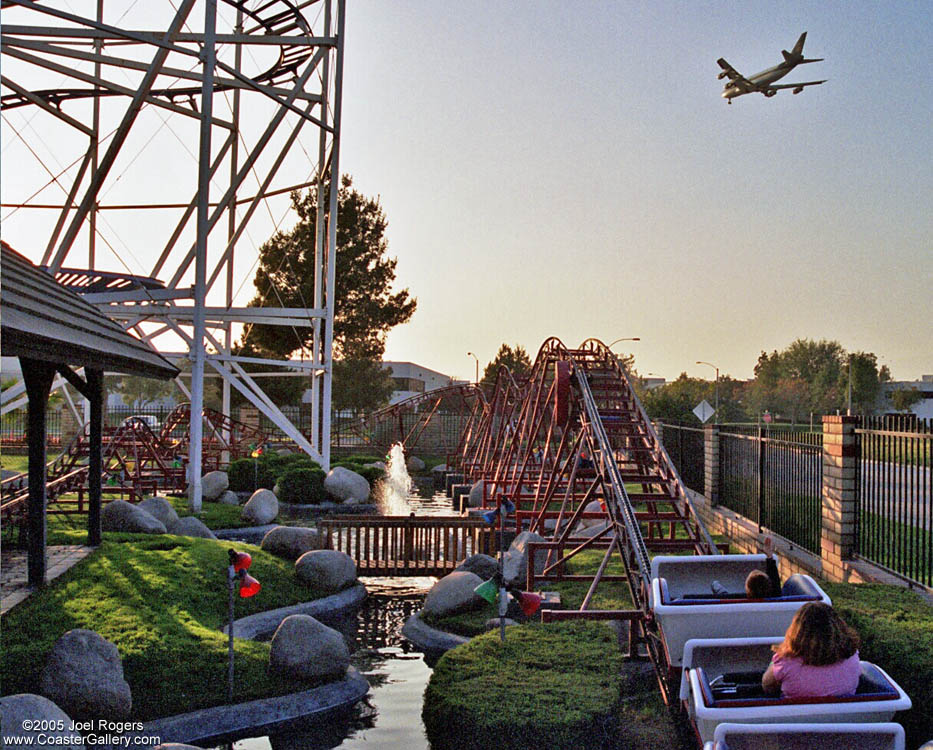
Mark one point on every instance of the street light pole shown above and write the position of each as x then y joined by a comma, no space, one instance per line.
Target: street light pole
710,364
471,354
609,346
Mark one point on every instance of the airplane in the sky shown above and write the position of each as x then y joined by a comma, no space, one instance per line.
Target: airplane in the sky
764,82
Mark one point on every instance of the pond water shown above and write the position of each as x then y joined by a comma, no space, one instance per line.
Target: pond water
390,717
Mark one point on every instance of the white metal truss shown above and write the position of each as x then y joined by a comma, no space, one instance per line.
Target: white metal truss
278,63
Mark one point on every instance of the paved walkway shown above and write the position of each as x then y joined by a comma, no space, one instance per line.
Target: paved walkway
14,573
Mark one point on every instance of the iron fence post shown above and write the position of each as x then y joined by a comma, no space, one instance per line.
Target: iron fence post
761,473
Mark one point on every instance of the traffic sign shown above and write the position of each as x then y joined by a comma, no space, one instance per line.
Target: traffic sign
704,411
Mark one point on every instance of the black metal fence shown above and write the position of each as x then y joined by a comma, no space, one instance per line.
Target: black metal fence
14,426
686,447
895,495
774,478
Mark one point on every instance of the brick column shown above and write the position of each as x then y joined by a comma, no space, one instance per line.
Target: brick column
711,463
840,462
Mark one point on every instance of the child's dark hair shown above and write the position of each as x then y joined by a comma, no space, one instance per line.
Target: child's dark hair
818,636
758,585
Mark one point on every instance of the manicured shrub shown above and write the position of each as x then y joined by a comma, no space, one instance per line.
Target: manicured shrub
249,474
302,486
556,685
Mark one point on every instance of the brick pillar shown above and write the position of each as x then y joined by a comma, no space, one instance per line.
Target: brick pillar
711,463
840,462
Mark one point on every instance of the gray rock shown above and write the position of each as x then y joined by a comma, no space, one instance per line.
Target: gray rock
84,675
284,452
346,486
592,506
229,497
493,623
454,593
119,515
291,542
306,649
475,499
214,484
191,526
515,564
261,508
326,570
439,468
376,465
159,508
483,565
415,464
15,709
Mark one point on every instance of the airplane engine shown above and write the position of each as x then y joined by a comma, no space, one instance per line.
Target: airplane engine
721,75
770,93
798,89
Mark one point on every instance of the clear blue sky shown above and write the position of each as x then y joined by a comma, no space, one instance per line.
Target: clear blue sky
570,169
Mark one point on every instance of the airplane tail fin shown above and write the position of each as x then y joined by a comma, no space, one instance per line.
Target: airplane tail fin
795,55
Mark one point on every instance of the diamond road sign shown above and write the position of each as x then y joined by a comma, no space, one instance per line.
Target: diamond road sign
704,411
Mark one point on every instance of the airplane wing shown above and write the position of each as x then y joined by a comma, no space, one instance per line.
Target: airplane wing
776,86
728,71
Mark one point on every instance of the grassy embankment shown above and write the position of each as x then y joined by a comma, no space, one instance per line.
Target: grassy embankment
162,601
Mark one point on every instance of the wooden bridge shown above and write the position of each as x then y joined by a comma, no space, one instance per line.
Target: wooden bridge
407,545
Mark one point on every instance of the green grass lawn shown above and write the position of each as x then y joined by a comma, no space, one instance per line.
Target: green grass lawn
162,601
896,628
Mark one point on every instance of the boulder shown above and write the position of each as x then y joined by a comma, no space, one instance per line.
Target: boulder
84,675
439,468
483,565
593,506
454,593
284,452
306,649
119,515
494,623
15,709
291,542
475,499
261,508
214,484
229,497
191,526
415,464
376,465
515,564
346,486
326,570
159,508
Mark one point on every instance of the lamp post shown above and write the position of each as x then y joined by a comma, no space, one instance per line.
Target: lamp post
237,578
710,364
471,354
609,346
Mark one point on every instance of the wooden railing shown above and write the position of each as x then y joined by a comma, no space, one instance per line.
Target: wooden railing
407,545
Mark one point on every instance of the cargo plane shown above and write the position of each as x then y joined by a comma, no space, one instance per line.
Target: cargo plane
764,82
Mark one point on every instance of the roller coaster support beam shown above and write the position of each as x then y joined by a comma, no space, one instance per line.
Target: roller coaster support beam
332,236
197,352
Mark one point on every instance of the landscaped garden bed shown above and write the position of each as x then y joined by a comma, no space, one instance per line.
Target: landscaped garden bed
162,600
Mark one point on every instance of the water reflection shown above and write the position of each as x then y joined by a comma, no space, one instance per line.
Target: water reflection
397,673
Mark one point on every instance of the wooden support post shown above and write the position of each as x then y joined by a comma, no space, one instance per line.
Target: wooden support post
95,382
38,378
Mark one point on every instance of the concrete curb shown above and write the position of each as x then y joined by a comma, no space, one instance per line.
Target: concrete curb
430,639
259,717
265,622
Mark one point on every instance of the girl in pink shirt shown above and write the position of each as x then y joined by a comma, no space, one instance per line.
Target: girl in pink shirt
818,657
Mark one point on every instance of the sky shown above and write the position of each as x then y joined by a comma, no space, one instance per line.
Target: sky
570,170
